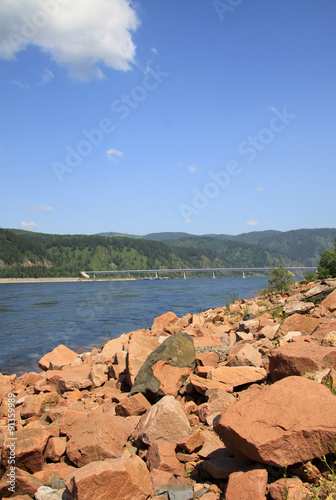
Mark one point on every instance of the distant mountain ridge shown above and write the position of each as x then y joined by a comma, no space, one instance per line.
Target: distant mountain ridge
27,254
302,245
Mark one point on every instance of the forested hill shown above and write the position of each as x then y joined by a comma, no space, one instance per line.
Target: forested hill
26,254
304,245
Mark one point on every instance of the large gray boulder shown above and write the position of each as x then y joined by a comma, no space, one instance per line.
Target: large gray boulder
165,368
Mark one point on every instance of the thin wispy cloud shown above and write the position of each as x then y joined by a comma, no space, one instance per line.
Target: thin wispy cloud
190,221
47,76
155,51
112,153
20,83
82,36
259,188
252,223
272,108
29,226
192,170
39,208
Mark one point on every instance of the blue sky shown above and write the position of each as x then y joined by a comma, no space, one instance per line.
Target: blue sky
174,115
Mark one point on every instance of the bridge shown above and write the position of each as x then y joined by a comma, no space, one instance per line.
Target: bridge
214,270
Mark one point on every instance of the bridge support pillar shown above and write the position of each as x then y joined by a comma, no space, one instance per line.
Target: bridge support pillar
214,275
184,275
156,275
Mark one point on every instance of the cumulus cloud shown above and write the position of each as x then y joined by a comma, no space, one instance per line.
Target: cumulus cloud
39,208
113,152
252,223
82,36
29,226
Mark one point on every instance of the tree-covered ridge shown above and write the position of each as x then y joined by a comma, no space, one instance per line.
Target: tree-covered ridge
25,254
303,245
236,253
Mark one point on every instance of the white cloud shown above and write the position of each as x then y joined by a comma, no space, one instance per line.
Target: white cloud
272,108
113,152
20,83
81,36
132,201
192,170
252,223
190,221
259,188
155,51
46,76
39,208
29,226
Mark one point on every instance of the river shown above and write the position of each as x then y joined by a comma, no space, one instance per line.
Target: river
37,317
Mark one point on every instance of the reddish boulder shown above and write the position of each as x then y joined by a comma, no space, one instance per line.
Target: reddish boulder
160,477
24,483
238,376
299,323
192,443
58,358
55,448
207,359
140,345
28,448
297,358
330,301
249,485
37,404
126,478
97,437
113,346
298,307
5,384
161,455
218,400
170,377
269,331
290,488
201,384
134,405
291,421
162,322
165,420
71,378
246,355
59,469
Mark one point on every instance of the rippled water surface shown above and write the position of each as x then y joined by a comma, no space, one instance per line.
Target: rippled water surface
36,317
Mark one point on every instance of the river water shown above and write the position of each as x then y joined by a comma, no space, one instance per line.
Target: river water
37,317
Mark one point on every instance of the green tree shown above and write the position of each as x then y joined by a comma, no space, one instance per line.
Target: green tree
280,280
326,267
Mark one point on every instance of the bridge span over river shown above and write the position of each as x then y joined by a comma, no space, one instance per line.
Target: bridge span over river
243,270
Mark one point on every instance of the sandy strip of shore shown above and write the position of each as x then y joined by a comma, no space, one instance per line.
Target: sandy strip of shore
57,280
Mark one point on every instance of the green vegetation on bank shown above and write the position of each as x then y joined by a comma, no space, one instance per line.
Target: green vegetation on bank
327,264
25,254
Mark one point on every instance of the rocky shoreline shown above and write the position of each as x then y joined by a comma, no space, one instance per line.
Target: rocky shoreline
234,403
